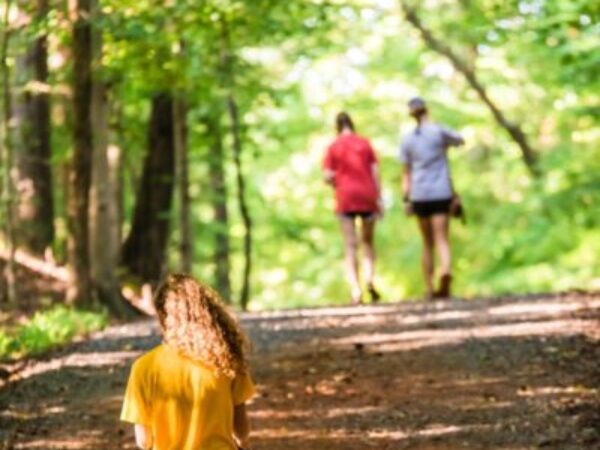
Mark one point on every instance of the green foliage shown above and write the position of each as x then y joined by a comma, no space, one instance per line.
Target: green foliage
295,64
48,329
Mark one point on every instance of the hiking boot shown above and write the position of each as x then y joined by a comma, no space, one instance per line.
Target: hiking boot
444,289
373,293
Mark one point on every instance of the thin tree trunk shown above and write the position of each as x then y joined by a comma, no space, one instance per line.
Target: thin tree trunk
7,161
144,251
227,67
186,249
241,194
116,174
104,247
80,289
115,168
218,184
35,212
515,131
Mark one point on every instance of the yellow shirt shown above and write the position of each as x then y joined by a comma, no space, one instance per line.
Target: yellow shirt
185,404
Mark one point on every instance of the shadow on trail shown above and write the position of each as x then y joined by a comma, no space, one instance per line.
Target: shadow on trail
479,375
499,393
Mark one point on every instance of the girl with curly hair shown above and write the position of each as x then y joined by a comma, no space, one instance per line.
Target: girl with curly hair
189,392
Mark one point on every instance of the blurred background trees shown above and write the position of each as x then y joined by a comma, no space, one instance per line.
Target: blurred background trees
144,136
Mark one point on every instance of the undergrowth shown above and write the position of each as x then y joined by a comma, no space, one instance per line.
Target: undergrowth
49,329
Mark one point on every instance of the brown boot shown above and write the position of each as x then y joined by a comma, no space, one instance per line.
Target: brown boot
373,293
444,289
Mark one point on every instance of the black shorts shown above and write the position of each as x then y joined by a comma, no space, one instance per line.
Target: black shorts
430,207
365,215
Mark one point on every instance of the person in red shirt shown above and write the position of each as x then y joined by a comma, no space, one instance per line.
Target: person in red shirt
350,166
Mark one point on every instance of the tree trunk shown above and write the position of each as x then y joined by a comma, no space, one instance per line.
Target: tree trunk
35,211
116,172
144,251
241,194
218,184
228,84
186,249
515,132
8,279
104,245
80,289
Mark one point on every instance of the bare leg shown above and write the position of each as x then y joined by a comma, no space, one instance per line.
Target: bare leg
427,253
351,247
368,238
368,233
441,224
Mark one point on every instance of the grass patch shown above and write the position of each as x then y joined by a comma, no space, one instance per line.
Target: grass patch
48,329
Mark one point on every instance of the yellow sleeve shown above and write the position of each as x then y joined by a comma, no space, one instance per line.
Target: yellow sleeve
136,404
242,388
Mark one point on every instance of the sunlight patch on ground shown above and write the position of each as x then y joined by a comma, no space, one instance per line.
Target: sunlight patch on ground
331,413
19,415
46,444
83,439
271,414
557,390
414,314
433,430
411,340
380,434
519,309
83,360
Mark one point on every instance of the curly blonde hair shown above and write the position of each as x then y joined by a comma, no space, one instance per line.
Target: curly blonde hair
196,323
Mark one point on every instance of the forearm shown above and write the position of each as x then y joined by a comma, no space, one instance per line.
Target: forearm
406,183
143,437
241,425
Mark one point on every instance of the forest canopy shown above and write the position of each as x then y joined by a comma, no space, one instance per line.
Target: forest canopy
140,137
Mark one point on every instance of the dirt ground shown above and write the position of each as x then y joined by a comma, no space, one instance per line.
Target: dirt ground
512,373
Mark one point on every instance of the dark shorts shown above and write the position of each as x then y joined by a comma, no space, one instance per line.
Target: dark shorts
365,215
430,207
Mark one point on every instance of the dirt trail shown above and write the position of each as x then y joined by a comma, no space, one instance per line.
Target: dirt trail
520,373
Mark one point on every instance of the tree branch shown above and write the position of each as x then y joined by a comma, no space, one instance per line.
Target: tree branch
514,130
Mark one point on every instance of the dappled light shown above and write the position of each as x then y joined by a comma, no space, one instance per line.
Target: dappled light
419,339
461,374
395,201
104,359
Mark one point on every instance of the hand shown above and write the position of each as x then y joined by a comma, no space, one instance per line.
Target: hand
242,444
456,208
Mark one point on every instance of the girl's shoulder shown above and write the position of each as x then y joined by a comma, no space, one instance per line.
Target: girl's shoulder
152,356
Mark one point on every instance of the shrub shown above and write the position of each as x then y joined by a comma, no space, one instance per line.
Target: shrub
48,329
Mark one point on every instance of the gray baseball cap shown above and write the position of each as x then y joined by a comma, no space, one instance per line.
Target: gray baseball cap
416,104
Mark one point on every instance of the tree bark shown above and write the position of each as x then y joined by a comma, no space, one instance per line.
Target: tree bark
35,211
104,246
116,172
514,131
228,84
8,278
144,251
241,195
80,289
186,249
218,184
